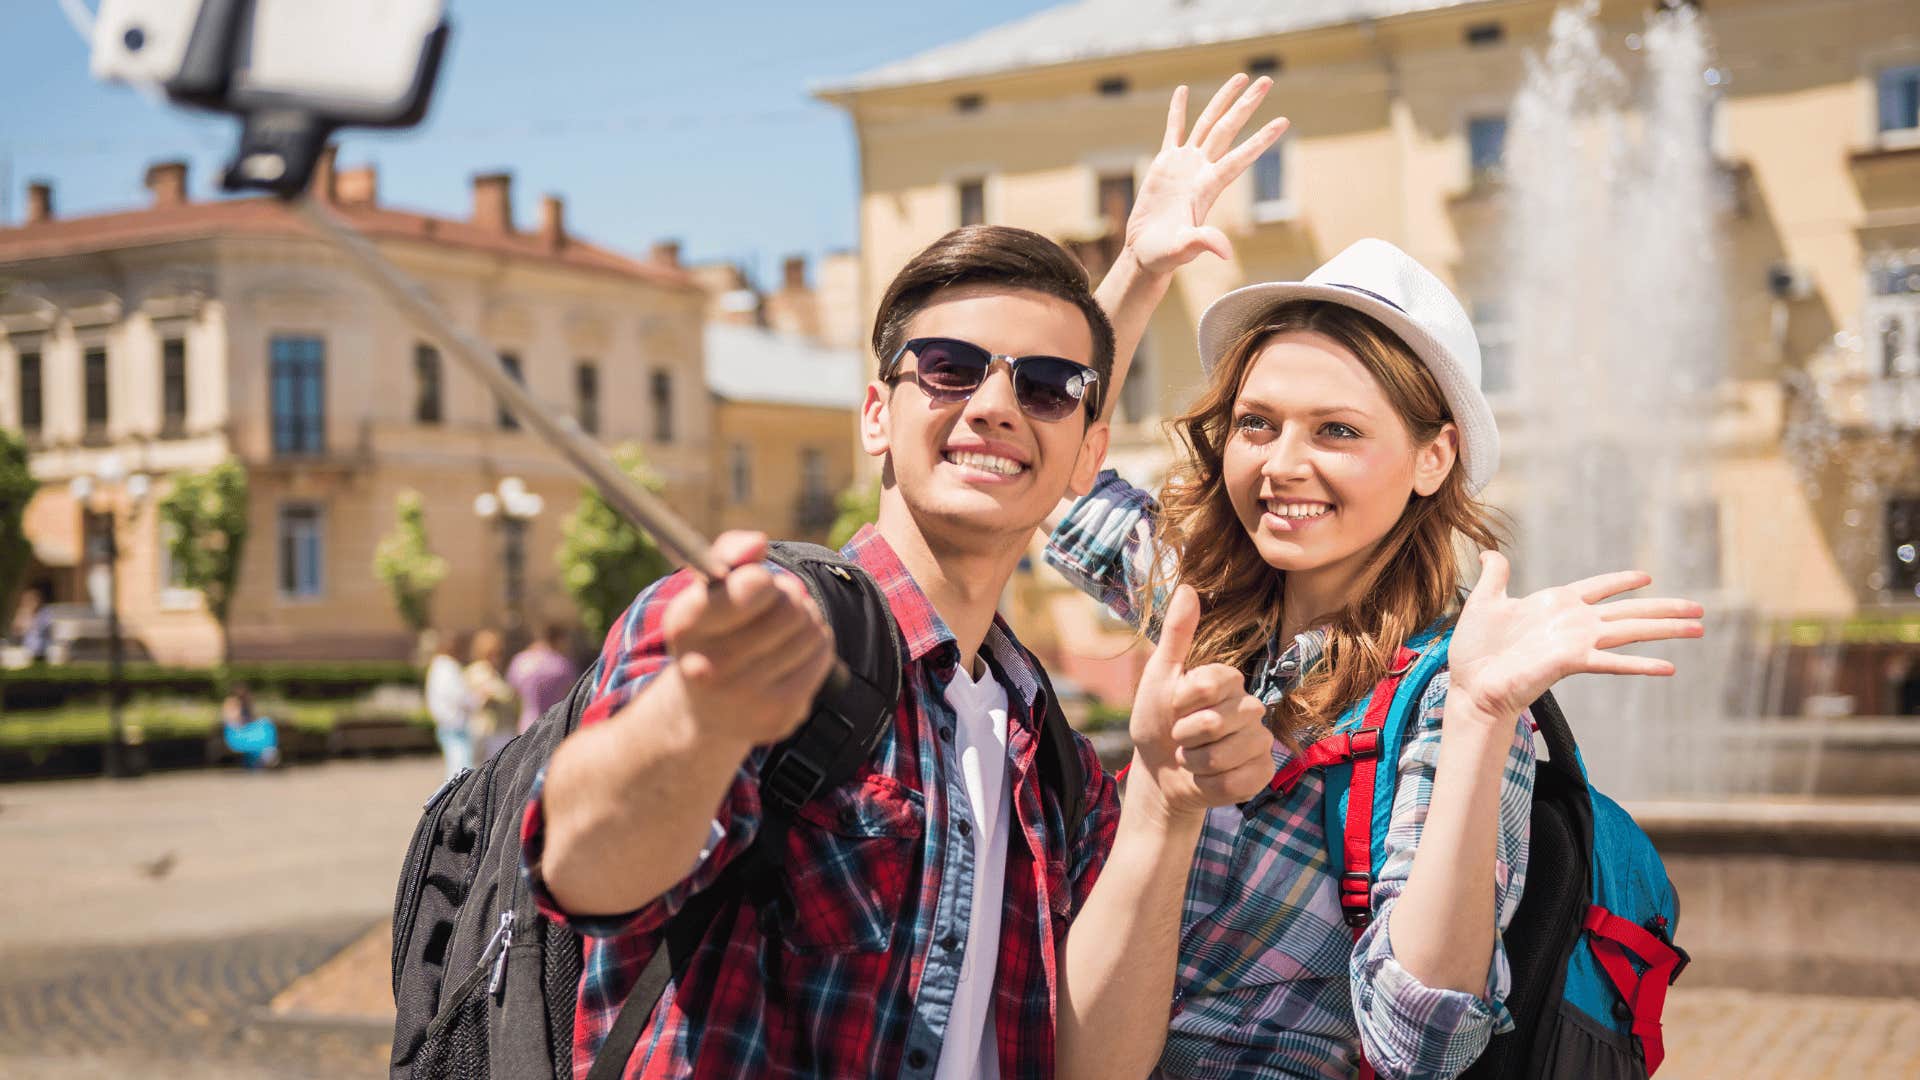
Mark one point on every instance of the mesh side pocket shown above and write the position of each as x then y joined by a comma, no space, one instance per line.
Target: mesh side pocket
560,966
1578,1048
459,1052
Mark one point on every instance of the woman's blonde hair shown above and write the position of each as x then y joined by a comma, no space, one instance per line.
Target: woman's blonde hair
1411,580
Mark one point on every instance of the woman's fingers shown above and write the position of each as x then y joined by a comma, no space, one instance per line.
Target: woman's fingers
1606,663
1601,586
1229,168
1222,98
1665,607
1630,631
1220,139
1176,118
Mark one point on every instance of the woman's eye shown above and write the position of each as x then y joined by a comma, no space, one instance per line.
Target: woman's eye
1250,422
1339,431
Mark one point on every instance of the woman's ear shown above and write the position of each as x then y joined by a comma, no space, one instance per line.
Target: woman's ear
1432,462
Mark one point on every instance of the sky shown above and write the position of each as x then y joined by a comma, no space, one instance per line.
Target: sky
653,121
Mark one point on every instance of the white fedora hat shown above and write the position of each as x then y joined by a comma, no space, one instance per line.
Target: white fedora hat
1377,279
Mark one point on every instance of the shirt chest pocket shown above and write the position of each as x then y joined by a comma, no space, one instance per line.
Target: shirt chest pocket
852,856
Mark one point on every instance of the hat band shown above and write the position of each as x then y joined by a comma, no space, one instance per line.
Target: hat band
1369,292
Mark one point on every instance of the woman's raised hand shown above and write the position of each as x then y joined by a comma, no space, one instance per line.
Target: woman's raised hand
1168,228
1507,651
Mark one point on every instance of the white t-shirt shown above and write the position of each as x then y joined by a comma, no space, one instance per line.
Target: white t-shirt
970,1050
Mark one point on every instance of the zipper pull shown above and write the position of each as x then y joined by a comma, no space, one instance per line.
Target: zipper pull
502,939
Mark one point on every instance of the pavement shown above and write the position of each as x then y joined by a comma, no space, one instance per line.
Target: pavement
228,926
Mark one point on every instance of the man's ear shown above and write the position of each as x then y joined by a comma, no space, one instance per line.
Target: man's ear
876,419
1432,462
1093,454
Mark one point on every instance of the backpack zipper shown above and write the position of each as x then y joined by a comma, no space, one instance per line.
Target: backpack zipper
493,963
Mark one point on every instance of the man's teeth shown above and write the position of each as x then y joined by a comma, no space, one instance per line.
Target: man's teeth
1299,511
992,463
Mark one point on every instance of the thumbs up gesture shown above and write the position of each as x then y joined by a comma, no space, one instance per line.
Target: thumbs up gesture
1198,736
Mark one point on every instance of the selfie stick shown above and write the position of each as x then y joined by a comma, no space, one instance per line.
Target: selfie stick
632,502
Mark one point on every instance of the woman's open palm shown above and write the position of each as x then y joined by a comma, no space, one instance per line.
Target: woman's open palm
1167,228
1507,650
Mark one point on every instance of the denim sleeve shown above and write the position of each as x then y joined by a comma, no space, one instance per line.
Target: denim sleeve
1104,544
1407,1028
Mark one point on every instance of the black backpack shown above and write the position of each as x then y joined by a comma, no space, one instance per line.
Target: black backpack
484,986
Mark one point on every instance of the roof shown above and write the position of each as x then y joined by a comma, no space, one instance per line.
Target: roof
268,217
1096,29
751,364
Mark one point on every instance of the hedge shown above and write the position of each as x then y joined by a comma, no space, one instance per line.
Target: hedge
160,720
52,686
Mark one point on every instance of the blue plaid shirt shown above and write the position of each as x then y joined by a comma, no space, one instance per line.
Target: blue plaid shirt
1270,981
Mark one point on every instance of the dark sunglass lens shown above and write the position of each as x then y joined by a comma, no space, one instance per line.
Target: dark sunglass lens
1049,389
950,367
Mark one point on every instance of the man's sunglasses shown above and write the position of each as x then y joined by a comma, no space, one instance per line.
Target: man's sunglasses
1048,388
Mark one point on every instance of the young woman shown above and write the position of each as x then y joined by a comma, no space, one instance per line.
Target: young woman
1326,486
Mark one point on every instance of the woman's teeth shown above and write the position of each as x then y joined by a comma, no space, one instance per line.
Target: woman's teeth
1299,511
992,463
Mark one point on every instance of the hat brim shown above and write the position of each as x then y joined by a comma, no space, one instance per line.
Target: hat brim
1227,318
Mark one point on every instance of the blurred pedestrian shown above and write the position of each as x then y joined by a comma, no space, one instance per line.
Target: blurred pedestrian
448,703
254,738
542,674
35,622
496,708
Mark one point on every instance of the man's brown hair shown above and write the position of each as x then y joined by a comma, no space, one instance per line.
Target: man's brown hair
994,255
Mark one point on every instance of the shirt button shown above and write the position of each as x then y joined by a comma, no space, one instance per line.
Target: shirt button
950,942
966,828
1289,666
917,1059
946,734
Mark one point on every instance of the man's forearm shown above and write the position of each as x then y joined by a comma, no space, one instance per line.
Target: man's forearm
629,803
1117,975
1128,294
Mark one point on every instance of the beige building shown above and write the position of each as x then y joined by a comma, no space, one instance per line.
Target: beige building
171,337
1398,113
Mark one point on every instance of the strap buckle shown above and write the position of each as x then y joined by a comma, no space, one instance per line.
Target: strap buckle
1355,889
1364,743
794,780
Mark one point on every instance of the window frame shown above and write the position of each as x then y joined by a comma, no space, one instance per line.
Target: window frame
429,386
284,568
173,421
297,374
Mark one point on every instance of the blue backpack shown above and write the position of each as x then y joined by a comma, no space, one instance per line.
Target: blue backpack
1591,945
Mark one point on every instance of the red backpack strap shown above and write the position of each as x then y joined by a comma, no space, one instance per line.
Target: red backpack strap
1356,881
1645,993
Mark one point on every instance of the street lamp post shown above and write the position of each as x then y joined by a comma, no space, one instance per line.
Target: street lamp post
511,507
116,760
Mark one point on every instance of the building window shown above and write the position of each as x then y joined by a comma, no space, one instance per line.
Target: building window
968,102
1486,147
96,394
1893,316
1270,185
1136,394
510,363
813,472
586,396
302,550
1903,545
1112,86
32,396
661,390
426,385
1266,64
1480,35
297,379
1115,201
1900,99
1495,331
973,202
740,472
173,386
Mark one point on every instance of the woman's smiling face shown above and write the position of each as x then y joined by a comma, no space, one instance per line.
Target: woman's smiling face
1318,464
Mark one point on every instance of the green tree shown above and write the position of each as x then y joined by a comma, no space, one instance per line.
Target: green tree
859,505
409,568
604,561
17,486
207,513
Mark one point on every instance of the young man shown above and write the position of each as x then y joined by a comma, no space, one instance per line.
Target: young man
921,920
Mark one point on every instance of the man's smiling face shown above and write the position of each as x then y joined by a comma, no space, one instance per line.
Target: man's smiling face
984,467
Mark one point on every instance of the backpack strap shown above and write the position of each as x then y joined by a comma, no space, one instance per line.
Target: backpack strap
1616,944
1060,766
850,714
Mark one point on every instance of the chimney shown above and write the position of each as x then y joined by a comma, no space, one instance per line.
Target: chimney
357,187
793,272
553,222
168,182
493,201
39,202
666,252
322,184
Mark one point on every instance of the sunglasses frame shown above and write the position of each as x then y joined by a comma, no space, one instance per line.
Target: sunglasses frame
1090,384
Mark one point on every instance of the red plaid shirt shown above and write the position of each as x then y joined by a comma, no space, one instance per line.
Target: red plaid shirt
853,971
